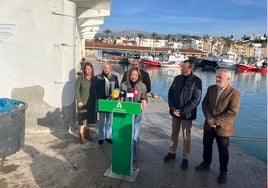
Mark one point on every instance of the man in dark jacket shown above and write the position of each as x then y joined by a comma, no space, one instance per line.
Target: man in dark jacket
144,75
183,97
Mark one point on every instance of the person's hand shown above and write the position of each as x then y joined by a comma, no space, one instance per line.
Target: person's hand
177,113
80,104
144,104
211,122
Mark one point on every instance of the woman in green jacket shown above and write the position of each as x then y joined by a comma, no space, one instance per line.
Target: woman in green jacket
85,101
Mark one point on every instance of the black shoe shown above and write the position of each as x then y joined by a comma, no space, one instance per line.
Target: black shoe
100,142
202,166
169,157
222,177
134,165
184,164
109,140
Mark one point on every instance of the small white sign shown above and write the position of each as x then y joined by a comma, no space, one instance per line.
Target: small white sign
130,95
8,33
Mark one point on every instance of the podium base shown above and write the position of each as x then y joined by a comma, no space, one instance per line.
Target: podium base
131,178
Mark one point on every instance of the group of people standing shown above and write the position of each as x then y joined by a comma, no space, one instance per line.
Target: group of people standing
89,88
220,106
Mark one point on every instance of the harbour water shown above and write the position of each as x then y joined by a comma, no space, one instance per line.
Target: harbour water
251,121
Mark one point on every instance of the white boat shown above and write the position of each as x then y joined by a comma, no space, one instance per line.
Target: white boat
226,60
173,60
211,61
132,57
258,61
102,59
171,64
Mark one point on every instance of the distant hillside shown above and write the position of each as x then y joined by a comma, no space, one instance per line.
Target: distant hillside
130,33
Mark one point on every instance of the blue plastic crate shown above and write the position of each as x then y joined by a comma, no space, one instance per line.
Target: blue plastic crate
8,105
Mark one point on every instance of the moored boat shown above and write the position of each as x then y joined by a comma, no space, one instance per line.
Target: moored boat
174,59
150,62
251,68
168,59
263,70
211,61
227,60
171,64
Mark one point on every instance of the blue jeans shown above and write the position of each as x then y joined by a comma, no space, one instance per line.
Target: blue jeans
105,125
137,126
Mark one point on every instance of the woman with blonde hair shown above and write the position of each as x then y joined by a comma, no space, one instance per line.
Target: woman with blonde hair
106,82
85,97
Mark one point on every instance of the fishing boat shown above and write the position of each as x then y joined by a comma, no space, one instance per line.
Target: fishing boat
150,62
168,59
226,60
173,59
132,57
102,59
211,61
251,68
171,64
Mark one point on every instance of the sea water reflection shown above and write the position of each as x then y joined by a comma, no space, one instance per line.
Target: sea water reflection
250,123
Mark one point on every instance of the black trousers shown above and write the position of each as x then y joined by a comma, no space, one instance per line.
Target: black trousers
222,143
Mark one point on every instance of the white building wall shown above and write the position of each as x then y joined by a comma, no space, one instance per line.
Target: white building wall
39,47
148,42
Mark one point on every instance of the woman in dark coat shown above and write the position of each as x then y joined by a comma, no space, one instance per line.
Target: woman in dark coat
105,83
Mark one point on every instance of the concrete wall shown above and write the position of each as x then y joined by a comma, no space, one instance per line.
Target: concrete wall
39,49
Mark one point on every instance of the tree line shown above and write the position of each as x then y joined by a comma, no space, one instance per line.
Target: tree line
180,38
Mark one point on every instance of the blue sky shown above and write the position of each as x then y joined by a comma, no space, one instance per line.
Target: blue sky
193,17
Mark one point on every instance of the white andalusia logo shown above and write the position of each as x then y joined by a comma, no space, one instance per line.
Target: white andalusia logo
119,105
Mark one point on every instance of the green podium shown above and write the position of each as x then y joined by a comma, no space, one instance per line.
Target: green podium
122,135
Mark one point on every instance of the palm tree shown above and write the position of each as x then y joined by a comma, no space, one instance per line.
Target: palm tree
169,38
141,36
107,31
212,45
206,37
154,36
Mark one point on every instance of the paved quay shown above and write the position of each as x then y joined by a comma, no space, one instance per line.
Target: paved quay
56,159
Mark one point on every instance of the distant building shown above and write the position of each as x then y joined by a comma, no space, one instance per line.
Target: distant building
176,45
153,43
257,50
195,44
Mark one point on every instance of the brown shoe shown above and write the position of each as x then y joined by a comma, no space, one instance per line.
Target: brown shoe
87,135
81,138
